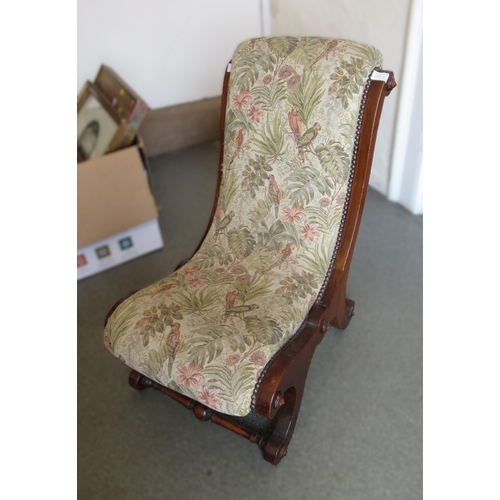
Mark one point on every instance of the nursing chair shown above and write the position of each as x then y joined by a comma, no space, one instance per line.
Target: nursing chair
231,333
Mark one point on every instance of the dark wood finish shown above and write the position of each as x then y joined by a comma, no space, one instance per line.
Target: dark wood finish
288,371
341,309
201,412
280,388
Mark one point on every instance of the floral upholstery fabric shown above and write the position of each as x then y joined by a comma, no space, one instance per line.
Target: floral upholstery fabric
209,329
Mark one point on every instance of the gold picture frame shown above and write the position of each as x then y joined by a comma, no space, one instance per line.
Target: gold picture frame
99,127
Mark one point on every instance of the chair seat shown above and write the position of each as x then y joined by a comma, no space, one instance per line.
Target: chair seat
208,330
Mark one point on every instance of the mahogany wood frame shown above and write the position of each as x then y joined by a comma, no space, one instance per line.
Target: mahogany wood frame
279,391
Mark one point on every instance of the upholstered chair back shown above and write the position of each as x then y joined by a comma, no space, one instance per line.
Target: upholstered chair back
293,109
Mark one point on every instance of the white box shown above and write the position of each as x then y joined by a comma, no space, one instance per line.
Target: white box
119,248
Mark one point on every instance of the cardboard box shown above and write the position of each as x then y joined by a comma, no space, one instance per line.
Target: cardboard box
117,214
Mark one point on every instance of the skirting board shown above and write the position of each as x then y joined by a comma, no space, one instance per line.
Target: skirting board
176,127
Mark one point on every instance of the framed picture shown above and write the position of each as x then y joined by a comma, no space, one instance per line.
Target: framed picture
127,103
99,127
121,96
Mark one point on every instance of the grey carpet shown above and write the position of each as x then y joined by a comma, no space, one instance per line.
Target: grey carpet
359,433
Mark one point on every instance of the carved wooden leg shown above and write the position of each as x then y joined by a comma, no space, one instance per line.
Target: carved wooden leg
138,381
278,396
282,387
275,447
344,315
340,308
201,412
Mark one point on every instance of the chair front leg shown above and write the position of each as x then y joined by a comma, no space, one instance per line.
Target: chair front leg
275,446
340,309
280,389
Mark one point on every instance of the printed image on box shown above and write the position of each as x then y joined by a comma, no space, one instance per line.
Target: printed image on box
103,252
119,248
126,243
81,260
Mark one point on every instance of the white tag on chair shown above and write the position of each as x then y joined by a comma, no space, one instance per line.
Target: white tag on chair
228,68
379,76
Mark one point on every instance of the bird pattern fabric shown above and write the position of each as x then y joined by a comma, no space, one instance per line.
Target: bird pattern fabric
209,329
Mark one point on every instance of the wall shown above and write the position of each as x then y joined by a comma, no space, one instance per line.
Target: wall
175,51
170,52
381,23
408,151
405,185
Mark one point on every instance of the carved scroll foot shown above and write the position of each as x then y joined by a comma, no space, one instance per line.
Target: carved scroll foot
275,447
344,316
